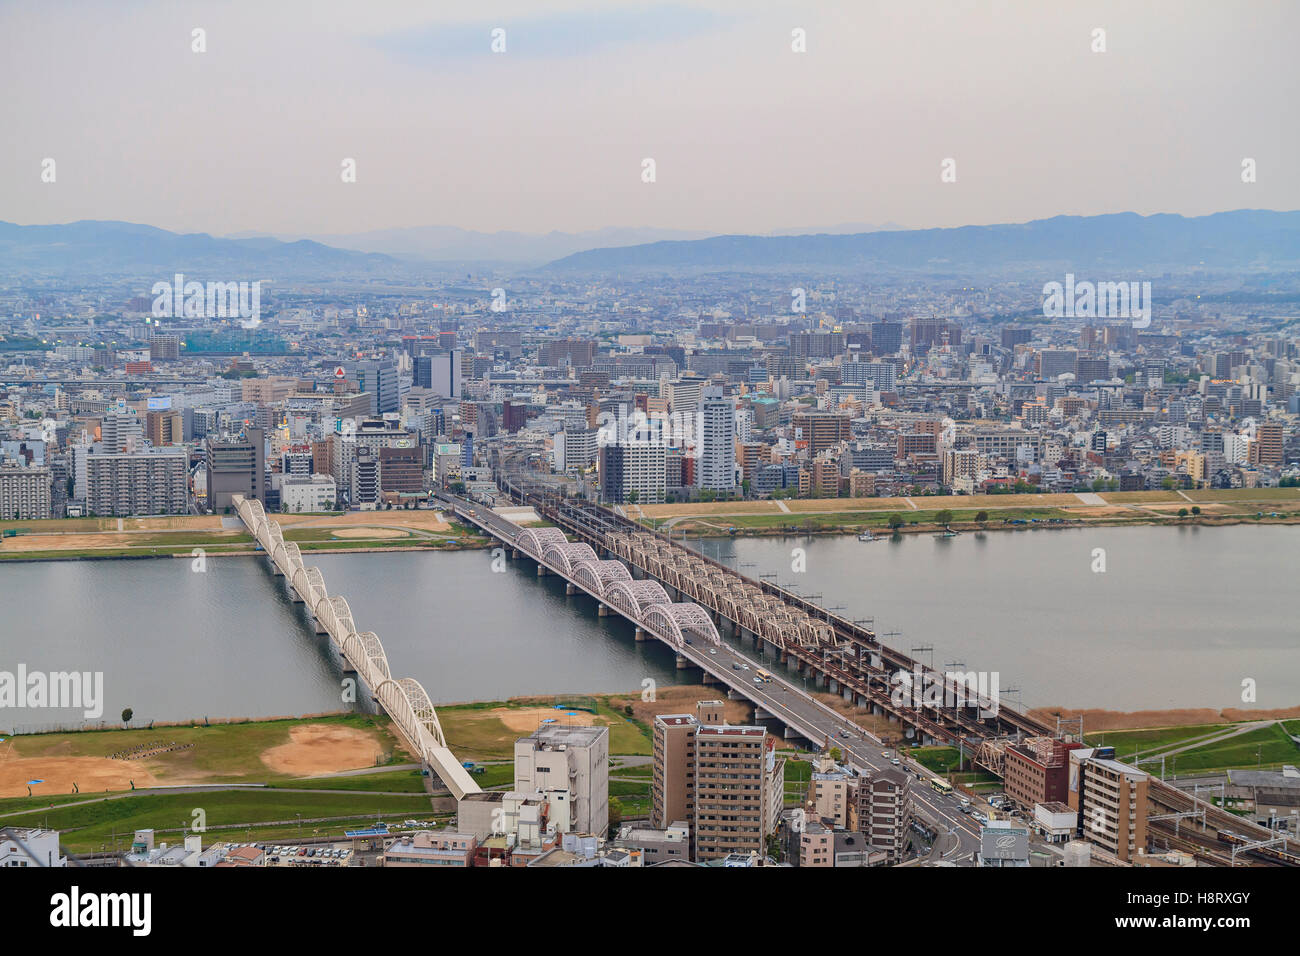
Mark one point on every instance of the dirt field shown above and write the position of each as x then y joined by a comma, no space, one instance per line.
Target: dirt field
60,773
417,520
525,720
682,700
319,748
371,533
1095,720
144,534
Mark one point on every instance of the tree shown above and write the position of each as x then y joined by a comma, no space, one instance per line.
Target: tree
1196,509
633,497
981,516
895,521
127,714
944,517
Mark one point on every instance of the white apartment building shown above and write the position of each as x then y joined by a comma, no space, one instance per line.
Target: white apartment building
24,492
307,493
575,759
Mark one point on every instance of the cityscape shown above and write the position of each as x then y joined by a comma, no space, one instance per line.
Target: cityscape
617,525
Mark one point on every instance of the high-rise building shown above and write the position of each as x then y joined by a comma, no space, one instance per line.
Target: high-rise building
24,492
633,471
739,783
1266,449
378,377
440,371
817,430
151,481
236,466
717,465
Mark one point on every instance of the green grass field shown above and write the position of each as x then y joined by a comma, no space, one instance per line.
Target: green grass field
1129,742
86,828
221,753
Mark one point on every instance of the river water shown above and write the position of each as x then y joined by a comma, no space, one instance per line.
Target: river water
1178,618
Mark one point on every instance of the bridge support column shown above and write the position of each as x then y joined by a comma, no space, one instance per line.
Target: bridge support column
294,596
542,570
570,589
640,635
683,663
514,554
320,628
603,610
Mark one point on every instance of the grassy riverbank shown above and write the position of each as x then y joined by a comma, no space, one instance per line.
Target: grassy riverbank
975,512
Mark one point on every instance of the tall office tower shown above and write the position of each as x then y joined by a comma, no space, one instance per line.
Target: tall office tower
1012,336
1088,369
379,378
886,337
440,370
236,466
575,759
717,468
1054,362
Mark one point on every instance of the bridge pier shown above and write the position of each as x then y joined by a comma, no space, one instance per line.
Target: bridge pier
640,635
603,610
320,628
683,663
542,570
294,596
570,589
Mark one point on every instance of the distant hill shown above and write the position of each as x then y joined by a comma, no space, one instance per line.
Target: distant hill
449,244
1123,243
108,247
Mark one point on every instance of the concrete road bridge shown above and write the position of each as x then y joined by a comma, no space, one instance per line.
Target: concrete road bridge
403,699
843,657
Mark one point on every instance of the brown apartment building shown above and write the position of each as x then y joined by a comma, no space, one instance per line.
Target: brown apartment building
1037,771
726,780
1111,800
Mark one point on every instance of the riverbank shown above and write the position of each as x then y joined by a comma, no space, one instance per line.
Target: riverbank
932,513
213,535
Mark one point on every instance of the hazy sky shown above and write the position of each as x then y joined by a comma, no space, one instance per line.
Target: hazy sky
746,134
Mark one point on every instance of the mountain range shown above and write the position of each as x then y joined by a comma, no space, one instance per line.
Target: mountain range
1244,239
1241,239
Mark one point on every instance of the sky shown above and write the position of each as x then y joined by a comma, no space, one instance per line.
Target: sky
747,135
